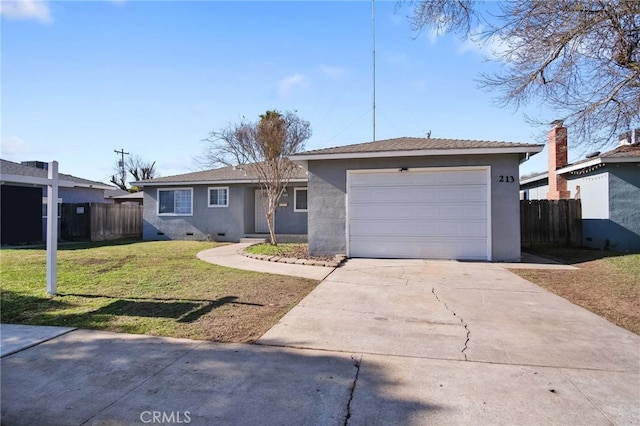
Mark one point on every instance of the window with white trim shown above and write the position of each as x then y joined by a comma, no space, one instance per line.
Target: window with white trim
219,196
300,199
175,202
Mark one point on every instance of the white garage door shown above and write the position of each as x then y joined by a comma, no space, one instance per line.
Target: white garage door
438,213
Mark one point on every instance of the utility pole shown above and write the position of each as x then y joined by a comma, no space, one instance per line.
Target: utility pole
123,172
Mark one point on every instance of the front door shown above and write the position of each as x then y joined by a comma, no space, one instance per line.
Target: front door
262,227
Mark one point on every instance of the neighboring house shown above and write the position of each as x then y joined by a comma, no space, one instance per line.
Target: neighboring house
120,196
222,204
416,198
607,184
24,195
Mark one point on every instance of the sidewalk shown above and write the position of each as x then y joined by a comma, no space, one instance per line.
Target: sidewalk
228,256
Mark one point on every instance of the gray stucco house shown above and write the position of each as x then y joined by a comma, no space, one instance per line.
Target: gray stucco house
220,204
608,186
416,198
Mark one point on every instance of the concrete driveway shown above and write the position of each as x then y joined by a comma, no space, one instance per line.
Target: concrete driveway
378,342
471,342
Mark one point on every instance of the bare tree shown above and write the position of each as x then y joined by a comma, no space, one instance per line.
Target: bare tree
581,58
263,147
120,181
138,168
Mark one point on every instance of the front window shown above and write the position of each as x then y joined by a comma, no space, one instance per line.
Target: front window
176,202
219,196
300,200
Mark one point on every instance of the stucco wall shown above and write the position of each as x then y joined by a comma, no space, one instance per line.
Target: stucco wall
79,195
216,223
327,191
594,193
624,206
536,192
289,221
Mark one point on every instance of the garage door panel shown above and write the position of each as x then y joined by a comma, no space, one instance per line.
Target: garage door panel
440,177
372,228
453,194
447,248
427,213
419,211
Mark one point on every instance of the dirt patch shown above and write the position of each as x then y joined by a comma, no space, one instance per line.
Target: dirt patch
602,286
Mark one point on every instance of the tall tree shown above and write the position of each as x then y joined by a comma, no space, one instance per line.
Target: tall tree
581,58
263,146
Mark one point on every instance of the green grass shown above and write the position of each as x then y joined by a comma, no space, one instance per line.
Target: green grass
284,250
158,288
629,264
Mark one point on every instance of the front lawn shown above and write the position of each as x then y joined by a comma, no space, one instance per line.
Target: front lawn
158,288
606,283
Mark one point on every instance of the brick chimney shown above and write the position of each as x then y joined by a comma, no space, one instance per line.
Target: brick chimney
558,158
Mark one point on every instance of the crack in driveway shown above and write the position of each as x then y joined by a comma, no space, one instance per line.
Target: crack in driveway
352,389
466,327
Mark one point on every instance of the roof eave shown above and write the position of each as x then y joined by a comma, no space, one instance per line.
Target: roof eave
533,149
42,181
533,179
206,182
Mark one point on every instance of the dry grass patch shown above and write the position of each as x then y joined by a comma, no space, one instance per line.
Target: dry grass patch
605,283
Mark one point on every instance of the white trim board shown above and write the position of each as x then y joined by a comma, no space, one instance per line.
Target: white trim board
417,153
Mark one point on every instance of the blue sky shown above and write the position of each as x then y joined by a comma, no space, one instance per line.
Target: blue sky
82,79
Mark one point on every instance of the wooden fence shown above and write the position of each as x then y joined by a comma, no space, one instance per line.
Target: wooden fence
100,222
550,222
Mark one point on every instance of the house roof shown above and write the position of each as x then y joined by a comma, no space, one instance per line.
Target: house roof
136,196
411,146
620,154
223,175
115,192
15,173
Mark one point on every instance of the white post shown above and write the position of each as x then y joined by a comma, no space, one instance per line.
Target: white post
52,229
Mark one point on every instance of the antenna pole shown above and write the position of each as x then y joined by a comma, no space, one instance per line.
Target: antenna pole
373,35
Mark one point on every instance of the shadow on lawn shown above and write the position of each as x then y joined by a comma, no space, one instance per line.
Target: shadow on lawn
22,309
184,311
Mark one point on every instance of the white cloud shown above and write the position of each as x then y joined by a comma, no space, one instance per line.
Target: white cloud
26,10
433,35
13,148
288,84
493,47
335,73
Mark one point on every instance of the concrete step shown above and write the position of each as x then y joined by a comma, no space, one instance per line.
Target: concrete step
253,240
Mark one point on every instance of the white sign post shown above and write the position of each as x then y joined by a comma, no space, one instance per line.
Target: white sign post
52,229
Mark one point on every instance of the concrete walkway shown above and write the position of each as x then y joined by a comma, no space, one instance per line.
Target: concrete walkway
377,342
229,256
